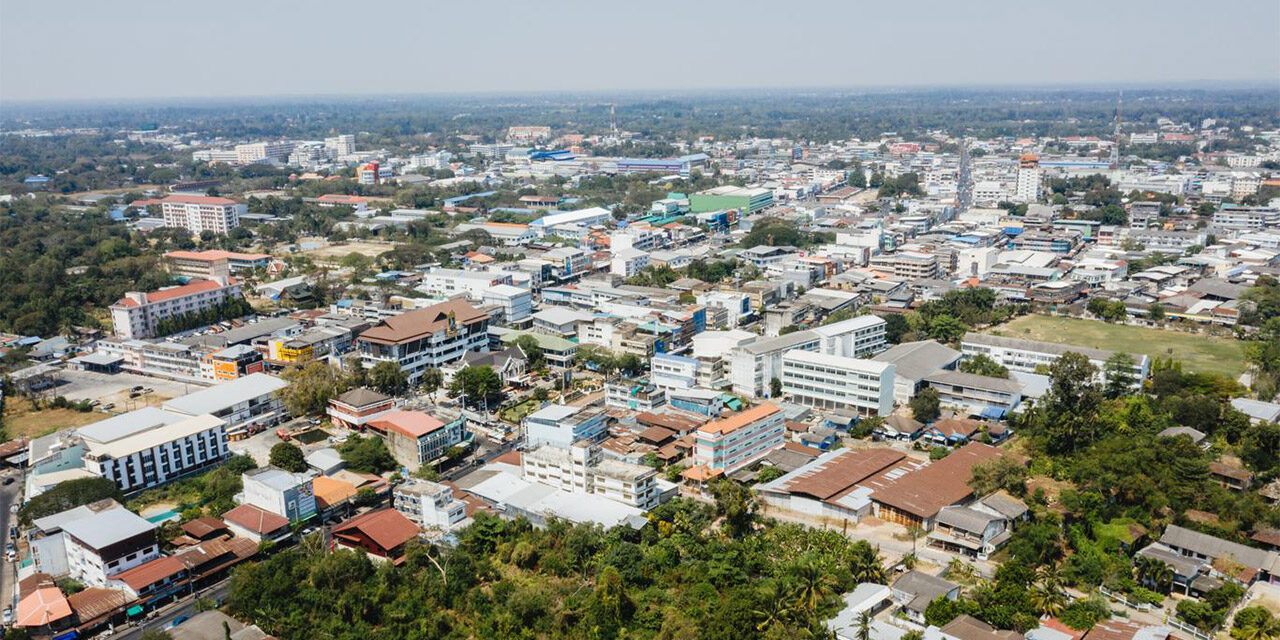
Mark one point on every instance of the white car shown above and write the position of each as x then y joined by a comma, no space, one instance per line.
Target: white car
13,508
8,615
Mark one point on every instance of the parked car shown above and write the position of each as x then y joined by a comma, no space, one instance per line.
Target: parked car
8,481
8,615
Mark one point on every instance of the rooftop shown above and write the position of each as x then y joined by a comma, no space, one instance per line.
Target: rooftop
226,395
727,425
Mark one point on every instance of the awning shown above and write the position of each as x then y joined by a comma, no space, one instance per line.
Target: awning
994,413
135,610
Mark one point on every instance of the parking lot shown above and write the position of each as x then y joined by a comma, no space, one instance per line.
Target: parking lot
259,444
115,388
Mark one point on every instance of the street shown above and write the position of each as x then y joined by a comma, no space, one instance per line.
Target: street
9,495
183,608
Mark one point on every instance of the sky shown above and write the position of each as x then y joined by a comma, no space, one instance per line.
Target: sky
127,49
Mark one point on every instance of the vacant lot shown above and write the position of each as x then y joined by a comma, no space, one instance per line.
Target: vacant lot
336,252
1198,353
21,420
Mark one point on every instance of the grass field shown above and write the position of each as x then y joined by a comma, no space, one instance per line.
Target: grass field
21,421
1200,353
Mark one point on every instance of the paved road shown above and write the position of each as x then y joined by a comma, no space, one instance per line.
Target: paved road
185,607
9,494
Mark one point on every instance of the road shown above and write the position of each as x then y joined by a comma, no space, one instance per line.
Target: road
964,181
9,494
185,607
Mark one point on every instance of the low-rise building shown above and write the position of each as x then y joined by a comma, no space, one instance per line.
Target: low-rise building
837,382
430,505
581,468
356,408
985,395
281,492
416,438
562,425
426,338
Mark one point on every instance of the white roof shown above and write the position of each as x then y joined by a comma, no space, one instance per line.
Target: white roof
226,395
848,326
156,436
127,424
106,528
554,412
560,315
572,216
506,290
860,364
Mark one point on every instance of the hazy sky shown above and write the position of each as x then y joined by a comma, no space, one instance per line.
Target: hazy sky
102,49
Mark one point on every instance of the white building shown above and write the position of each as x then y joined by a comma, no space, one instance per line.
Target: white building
1028,186
247,401
149,447
430,505
756,363
628,262
281,492
426,338
259,151
1026,355
138,314
198,214
736,305
580,468
856,337
107,543
515,304
446,283
838,382
339,146
563,425
670,371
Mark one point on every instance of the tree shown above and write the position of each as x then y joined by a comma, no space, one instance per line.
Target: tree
367,455
813,583
775,388
926,405
1067,415
946,328
1002,473
532,350
736,504
1155,312
983,365
1119,376
432,379
69,495
310,388
865,564
288,456
389,378
477,383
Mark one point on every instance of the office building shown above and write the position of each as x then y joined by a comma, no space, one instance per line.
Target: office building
562,425
730,443
416,438
281,492
857,337
426,338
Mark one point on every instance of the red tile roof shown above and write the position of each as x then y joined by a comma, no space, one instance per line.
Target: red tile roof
43,606
189,289
412,424
386,528
255,519
215,254
727,425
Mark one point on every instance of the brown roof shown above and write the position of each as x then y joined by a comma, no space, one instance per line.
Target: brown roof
946,482
735,421
512,457
13,446
361,397
1229,471
657,435
202,528
387,528
1115,629
1268,537
676,422
93,602
966,627
956,427
149,573
211,555
423,322
255,519
842,471
331,491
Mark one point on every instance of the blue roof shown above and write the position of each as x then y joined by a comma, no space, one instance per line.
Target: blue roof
460,199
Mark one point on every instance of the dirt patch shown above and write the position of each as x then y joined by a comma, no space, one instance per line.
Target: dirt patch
336,252
23,420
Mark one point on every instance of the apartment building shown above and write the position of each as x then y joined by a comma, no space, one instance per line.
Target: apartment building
213,262
198,214
911,265
1027,355
755,364
429,505
562,425
138,314
426,338
857,337
633,395
342,145
514,304
730,443
837,382
446,283
581,468
1245,218
628,262
106,543
143,448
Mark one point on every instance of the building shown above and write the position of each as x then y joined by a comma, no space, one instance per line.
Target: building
259,151
357,407
628,262
725,445
1028,185
198,214
149,447
514,304
562,425
342,145
633,395
837,382
426,338
581,468
257,524
138,314
416,438
446,283
748,201
108,542
430,505
757,363
913,361
984,395
858,337
1245,218
909,265
280,492
213,262
671,371
381,534
231,363
248,404
1027,355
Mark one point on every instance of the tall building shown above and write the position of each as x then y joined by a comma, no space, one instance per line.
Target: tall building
150,447
198,214
138,314
1028,187
343,145
425,338
259,151
733,442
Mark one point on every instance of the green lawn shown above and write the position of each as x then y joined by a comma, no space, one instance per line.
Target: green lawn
1205,354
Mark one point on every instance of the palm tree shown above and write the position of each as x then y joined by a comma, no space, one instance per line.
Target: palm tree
864,626
813,584
1150,571
1048,598
866,566
774,610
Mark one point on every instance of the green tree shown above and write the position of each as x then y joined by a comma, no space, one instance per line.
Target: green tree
288,456
477,383
69,495
432,379
736,504
983,365
310,388
532,350
1002,473
926,405
775,388
389,378
1068,412
368,455
946,328
1119,376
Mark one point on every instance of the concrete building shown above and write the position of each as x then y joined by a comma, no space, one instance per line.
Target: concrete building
581,468
1027,355
213,262
426,338
149,447
744,199
416,438
857,337
138,314
837,382
246,404
430,505
514,303
725,445
198,214
357,407
628,262
106,543
756,363
979,395
562,425
281,492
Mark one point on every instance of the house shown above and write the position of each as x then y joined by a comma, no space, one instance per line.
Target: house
1231,476
1122,629
511,364
381,534
153,581
951,431
966,627
898,427
1197,437
257,524
966,530
914,590
1257,410
1245,564
357,407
